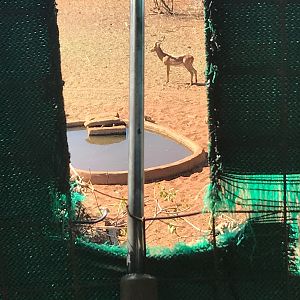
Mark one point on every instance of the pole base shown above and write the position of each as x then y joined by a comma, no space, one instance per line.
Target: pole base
138,287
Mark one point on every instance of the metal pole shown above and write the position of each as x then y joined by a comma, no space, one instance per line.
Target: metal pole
136,238
136,285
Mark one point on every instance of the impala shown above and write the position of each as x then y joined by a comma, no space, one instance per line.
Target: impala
180,61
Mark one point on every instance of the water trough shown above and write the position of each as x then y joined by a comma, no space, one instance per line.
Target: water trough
192,156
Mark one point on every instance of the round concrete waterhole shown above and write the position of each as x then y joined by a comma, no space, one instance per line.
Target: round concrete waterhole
104,159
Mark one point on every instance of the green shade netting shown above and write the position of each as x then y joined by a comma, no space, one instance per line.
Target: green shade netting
253,79
253,58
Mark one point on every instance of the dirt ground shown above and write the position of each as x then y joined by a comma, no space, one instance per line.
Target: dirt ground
94,40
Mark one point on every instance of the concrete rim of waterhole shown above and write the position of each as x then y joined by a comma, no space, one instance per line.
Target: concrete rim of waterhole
198,159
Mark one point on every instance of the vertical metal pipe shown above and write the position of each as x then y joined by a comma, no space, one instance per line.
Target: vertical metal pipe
136,238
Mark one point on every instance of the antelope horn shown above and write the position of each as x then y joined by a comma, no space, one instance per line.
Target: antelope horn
162,39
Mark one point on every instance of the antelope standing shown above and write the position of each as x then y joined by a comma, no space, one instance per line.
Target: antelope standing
180,61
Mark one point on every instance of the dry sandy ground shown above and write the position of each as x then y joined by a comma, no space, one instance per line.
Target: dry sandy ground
94,38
